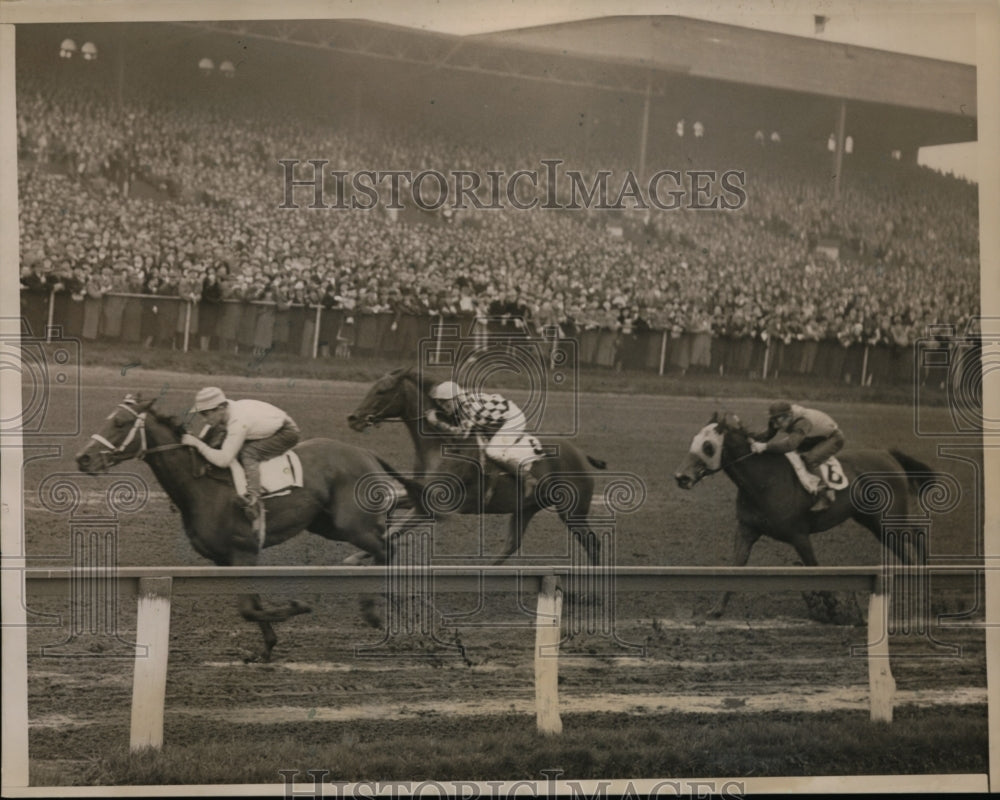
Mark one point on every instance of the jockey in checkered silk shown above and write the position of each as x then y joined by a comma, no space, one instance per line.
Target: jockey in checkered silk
255,432
813,434
493,417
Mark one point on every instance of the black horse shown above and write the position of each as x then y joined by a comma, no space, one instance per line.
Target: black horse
772,502
213,519
565,474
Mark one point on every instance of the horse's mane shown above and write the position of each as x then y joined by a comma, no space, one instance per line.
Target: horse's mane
171,422
422,382
727,421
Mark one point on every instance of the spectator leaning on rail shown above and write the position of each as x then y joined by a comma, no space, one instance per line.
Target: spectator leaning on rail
811,433
255,432
491,417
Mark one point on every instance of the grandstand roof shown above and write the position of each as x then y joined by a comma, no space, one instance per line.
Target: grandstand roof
734,73
710,50
913,100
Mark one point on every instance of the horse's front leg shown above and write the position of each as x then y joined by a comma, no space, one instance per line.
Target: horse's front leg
743,541
252,610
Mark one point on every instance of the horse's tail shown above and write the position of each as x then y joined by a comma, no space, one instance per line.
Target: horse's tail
413,487
597,463
917,472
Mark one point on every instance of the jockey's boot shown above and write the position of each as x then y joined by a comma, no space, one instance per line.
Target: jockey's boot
528,484
252,507
824,497
491,487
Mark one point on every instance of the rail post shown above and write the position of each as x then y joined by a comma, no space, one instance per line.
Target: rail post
51,315
149,685
663,350
881,684
315,341
547,633
187,323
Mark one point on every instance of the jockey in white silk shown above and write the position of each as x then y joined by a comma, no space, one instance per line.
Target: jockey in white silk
255,431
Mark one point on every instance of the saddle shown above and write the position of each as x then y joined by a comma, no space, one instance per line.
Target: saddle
526,450
278,476
831,473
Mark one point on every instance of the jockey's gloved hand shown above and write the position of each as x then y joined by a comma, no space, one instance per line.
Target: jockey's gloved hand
758,447
432,417
189,440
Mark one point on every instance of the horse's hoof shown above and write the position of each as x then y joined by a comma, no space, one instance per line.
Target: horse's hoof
296,607
257,658
369,614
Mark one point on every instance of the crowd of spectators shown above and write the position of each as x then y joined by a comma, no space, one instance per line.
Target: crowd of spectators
180,200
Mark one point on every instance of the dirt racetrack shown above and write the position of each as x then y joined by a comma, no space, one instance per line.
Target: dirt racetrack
765,655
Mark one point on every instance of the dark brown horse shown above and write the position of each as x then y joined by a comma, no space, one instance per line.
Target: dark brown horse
212,516
772,502
449,467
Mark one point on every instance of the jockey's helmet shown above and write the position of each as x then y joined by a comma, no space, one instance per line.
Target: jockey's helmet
208,398
779,409
449,390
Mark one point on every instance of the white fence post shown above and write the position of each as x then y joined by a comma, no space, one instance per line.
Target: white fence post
881,684
52,311
319,319
547,633
149,686
187,323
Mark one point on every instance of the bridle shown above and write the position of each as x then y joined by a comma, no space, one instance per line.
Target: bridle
705,471
138,429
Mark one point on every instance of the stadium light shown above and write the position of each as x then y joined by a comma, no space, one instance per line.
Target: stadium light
89,51
206,65
227,69
67,48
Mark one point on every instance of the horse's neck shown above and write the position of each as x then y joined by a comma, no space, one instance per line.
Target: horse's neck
173,470
736,467
423,445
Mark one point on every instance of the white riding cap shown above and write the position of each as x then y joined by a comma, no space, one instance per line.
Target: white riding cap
448,390
208,398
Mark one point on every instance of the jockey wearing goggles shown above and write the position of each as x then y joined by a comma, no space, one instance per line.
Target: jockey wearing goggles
811,433
493,419
255,431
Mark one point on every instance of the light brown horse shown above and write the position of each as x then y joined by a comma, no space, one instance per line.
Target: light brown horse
772,502
564,473
212,516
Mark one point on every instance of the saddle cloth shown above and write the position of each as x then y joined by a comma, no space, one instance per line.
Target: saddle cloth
830,470
278,476
525,450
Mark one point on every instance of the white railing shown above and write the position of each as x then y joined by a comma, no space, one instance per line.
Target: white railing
154,587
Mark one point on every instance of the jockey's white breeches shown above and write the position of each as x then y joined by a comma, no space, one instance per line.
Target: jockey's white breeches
510,445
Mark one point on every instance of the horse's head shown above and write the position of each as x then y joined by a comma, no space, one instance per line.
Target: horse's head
123,436
385,400
705,456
